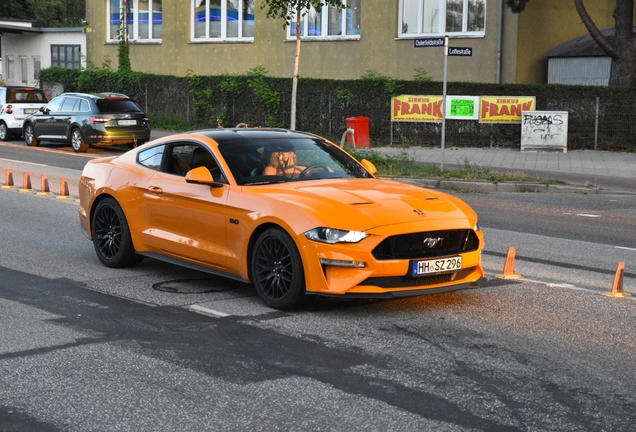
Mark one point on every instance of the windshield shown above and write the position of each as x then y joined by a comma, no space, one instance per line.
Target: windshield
266,161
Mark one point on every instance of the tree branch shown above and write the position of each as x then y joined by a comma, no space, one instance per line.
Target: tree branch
596,34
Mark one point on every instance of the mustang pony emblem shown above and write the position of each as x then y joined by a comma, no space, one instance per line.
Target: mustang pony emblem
431,242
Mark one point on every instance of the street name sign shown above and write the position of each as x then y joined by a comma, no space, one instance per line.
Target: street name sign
460,51
429,42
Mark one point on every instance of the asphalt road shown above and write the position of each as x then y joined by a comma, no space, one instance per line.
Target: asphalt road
161,348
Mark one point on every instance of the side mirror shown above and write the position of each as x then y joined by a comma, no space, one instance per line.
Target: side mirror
43,109
368,165
201,175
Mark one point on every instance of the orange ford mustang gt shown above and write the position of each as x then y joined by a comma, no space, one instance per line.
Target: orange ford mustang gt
289,212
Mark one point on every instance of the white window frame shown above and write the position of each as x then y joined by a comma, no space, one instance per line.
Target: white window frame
10,68
134,35
223,37
37,66
324,36
24,70
441,23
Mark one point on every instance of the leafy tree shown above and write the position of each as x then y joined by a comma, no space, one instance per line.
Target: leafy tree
293,11
621,47
14,9
45,13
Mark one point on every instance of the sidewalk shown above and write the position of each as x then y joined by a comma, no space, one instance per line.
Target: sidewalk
589,170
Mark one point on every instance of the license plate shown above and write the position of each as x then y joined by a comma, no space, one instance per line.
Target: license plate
436,265
30,110
126,122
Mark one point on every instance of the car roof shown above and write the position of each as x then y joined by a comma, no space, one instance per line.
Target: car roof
243,134
97,95
21,88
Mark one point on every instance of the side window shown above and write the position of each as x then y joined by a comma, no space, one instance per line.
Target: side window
83,107
151,158
55,104
68,104
186,156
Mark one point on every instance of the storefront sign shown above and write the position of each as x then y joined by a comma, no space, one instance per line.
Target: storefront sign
416,108
502,109
462,108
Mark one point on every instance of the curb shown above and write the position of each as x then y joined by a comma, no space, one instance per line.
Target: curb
487,187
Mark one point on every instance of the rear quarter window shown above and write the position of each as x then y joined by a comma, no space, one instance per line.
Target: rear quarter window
117,106
25,96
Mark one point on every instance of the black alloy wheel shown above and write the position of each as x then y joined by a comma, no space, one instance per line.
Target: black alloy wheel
111,236
77,141
29,135
5,134
277,270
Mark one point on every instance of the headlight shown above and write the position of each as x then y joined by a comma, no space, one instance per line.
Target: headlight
330,235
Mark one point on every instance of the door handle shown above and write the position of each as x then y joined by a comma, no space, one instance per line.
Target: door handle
155,190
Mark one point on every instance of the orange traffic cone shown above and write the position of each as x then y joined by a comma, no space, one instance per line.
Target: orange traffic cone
44,186
8,181
26,183
509,266
617,286
64,189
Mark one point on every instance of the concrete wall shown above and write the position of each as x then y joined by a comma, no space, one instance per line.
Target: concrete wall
378,48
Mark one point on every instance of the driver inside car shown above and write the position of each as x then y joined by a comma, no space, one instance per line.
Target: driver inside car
283,163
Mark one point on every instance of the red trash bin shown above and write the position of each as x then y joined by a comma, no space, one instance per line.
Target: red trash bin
360,126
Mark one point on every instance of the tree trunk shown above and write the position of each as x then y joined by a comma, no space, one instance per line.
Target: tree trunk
623,73
296,67
623,47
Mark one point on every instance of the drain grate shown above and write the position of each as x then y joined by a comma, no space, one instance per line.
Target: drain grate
195,286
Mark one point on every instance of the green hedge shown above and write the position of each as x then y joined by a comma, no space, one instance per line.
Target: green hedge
324,105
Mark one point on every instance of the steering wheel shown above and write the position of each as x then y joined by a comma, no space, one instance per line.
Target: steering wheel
310,168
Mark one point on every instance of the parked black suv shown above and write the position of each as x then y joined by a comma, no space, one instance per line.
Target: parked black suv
85,119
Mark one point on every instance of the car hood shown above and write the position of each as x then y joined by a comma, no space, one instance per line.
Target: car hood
369,203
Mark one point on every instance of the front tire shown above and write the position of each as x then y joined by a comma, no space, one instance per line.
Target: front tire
111,236
29,135
5,134
78,143
277,270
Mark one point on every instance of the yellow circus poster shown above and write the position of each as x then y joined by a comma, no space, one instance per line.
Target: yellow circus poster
502,109
416,108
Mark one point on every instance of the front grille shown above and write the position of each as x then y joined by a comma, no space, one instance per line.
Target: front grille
426,244
407,281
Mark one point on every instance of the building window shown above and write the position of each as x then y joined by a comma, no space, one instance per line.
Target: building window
36,68
66,56
330,22
24,70
442,17
143,21
222,19
10,68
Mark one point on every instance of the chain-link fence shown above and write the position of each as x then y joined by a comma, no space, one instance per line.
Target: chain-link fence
593,124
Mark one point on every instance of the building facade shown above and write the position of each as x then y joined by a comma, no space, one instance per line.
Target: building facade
212,37
26,50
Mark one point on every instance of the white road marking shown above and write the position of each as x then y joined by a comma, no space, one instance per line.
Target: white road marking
626,248
30,163
208,311
589,215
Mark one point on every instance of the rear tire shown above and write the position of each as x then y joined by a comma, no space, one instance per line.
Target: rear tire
277,270
5,134
29,135
78,143
111,236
